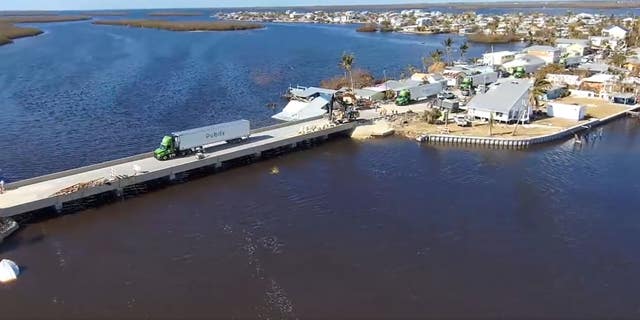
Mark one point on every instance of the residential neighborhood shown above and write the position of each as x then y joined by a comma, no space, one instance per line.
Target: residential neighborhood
579,64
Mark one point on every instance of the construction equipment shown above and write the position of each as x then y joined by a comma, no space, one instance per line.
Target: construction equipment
520,72
343,107
466,86
404,97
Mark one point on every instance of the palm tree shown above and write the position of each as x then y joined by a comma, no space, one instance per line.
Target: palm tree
346,63
540,87
464,47
436,59
448,44
436,55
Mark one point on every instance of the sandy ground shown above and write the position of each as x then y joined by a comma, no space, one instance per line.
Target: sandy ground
412,126
596,108
378,128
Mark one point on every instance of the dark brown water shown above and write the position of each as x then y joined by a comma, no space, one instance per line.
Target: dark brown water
378,229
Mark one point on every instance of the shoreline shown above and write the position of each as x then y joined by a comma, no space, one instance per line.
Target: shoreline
510,141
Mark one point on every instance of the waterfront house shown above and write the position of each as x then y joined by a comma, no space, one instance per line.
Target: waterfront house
507,100
547,53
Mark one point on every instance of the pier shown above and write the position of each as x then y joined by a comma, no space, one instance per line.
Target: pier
54,190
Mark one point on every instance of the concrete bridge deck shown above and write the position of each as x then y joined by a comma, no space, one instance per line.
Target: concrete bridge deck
40,192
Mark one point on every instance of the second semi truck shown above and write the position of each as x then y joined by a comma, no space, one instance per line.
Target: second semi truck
189,141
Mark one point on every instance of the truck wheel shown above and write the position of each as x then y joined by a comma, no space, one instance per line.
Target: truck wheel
164,158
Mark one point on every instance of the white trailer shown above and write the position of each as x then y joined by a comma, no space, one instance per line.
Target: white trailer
199,137
566,111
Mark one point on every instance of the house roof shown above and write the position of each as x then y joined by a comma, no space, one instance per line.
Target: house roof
502,96
599,78
310,91
541,48
397,85
583,42
524,60
596,67
610,28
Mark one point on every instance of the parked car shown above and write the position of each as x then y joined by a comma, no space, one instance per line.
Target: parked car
446,95
462,121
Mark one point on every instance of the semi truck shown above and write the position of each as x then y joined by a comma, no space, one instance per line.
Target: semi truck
182,143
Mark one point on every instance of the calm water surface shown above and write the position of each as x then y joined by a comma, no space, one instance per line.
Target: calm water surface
382,228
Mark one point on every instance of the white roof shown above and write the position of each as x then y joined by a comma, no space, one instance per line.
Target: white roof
298,110
501,96
600,78
524,60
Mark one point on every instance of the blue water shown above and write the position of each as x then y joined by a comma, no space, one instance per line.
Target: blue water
81,93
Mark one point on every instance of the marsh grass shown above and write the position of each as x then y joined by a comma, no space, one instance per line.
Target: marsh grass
183,25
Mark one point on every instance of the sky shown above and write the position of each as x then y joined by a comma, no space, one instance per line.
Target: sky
153,4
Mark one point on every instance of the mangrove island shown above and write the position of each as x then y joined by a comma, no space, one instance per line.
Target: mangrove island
183,25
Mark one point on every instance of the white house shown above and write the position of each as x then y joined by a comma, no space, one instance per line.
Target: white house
498,58
547,53
507,100
615,32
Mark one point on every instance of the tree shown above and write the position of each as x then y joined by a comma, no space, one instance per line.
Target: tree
448,44
436,58
619,59
540,87
464,47
346,63
436,55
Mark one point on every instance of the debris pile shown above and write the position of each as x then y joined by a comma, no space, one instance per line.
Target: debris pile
7,227
82,185
313,128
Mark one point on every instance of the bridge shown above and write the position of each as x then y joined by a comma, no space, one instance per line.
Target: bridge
54,190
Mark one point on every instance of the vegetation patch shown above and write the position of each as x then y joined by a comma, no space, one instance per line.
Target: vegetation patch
493,38
368,28
8,32
176,14
361,79
106,13
183,25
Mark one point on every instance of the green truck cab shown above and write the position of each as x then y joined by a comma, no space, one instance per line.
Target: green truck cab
167,149
404,97
519,72
466,86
